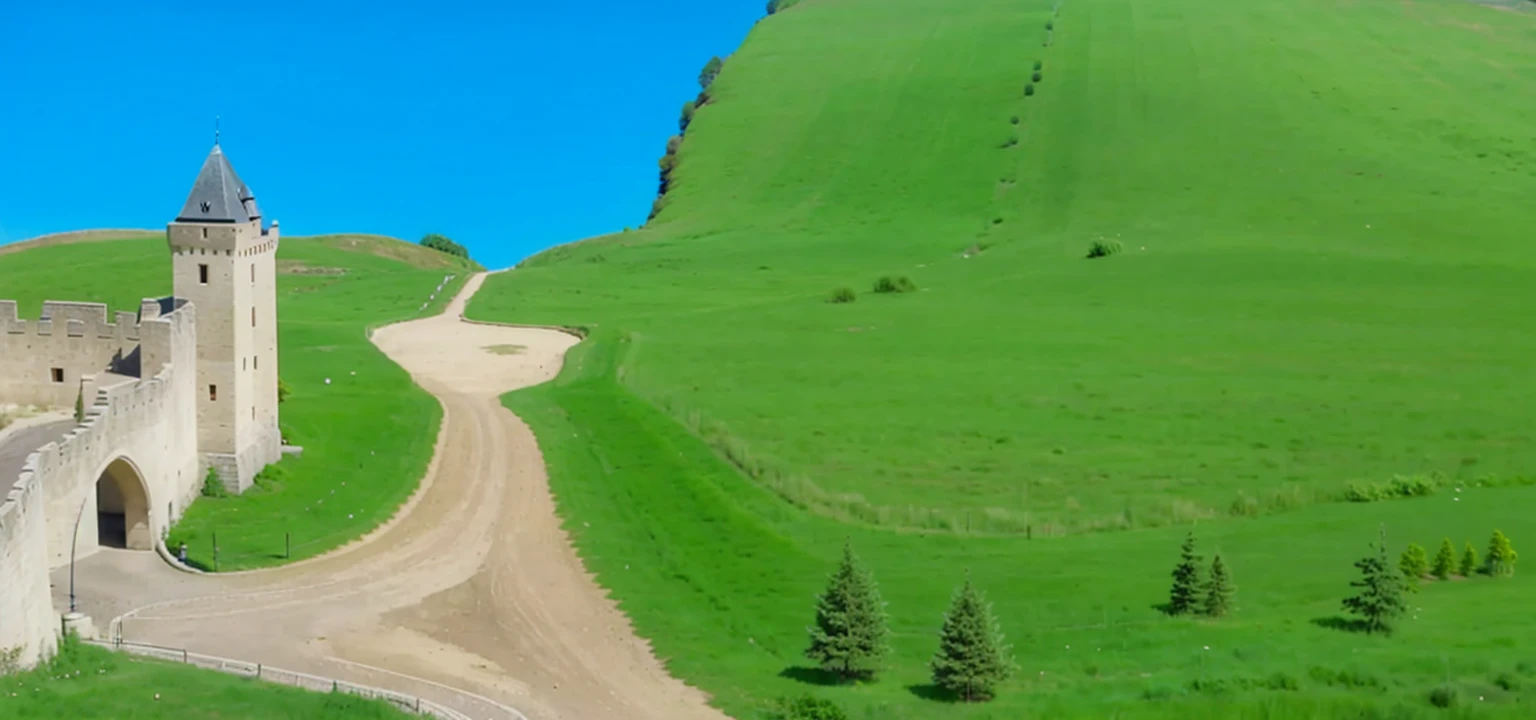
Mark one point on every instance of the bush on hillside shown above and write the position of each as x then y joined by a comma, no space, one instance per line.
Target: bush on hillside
1501,556
842,295
1029,90
1444,696
1037,77
212,486
1014,120
1104,248
442,244
807,707
1414,563
1049,25
1445,561
710,72
895,284
283,391
1507,682
686,118
1039,65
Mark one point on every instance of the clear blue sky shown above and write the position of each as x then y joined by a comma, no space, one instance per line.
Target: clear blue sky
510,127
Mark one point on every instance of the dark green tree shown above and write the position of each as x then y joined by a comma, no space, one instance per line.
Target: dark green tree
1501,556
1218,589
443,244
849,637
80,404
710,72
1445,560
1380,600
1185,593
1468,560
686,118
283,391
973,657
1413,564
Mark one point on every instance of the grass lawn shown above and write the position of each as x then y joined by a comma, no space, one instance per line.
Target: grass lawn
91,682
1325,283
367,436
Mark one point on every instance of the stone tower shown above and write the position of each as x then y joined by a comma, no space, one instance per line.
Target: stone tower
224,262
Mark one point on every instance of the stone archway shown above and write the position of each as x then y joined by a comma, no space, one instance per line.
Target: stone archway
122,508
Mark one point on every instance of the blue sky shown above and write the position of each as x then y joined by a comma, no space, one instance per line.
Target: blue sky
510,127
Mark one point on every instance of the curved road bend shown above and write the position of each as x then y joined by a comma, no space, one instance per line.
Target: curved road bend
473,585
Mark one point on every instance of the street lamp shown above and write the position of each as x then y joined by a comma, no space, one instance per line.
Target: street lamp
72,543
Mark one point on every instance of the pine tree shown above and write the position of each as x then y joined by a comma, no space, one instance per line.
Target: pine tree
1445,560
80,405
1468,560
1218,589
850,633
1414,563
1184,596
1501,556
972,657
1380,601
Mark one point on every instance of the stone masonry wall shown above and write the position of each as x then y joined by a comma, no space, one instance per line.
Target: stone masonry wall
148,425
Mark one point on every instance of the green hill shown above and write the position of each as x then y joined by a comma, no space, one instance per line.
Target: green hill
1324,216
331,290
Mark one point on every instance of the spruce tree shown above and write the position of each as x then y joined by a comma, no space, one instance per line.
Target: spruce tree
1445,560
1380,601
1218,589
1414,563
1469,560
849,637
1184,596
972,657
1501,556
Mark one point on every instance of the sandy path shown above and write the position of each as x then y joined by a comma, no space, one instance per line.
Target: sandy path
475,586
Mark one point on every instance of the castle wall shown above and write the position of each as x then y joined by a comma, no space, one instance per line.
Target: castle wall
43,361
27,619
145,431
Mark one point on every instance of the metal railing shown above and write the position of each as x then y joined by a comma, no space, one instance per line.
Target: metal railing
408,703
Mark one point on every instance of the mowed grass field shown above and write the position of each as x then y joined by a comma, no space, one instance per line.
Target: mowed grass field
91,682
367,436
1325,282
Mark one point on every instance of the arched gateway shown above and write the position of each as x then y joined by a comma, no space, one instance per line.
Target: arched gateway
122,507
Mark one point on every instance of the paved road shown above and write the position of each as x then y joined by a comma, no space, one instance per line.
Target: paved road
22,439
474,585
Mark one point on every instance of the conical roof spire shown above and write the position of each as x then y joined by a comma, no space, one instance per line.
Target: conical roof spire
218,195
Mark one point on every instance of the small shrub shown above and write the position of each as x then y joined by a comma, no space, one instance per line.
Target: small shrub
842,295
1507,681
895,284
212,487
1501,556
1104,248
1029,90
1014,120
1037,77
808,707
283,391
1049,25
1282,681
1444,696
1414,563
1039,65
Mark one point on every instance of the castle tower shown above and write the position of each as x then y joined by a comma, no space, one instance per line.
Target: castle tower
224,262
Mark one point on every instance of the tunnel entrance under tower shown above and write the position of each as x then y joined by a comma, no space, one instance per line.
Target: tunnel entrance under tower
122,508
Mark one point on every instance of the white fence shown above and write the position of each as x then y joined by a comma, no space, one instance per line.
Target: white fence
408,703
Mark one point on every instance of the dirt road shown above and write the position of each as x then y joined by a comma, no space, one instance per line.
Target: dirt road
474,585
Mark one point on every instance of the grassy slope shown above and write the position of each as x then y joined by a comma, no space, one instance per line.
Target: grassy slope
91,682
339,488
1334,289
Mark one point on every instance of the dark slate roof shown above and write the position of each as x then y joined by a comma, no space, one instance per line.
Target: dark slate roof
219,195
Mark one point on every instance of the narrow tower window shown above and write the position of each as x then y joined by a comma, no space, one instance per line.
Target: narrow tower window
253,273
253,317
58,375
202,274
213,392
205,233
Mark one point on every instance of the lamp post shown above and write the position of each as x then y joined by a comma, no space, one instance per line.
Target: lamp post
72,543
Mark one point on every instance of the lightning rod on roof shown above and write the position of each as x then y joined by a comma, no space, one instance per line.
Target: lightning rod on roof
215,129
